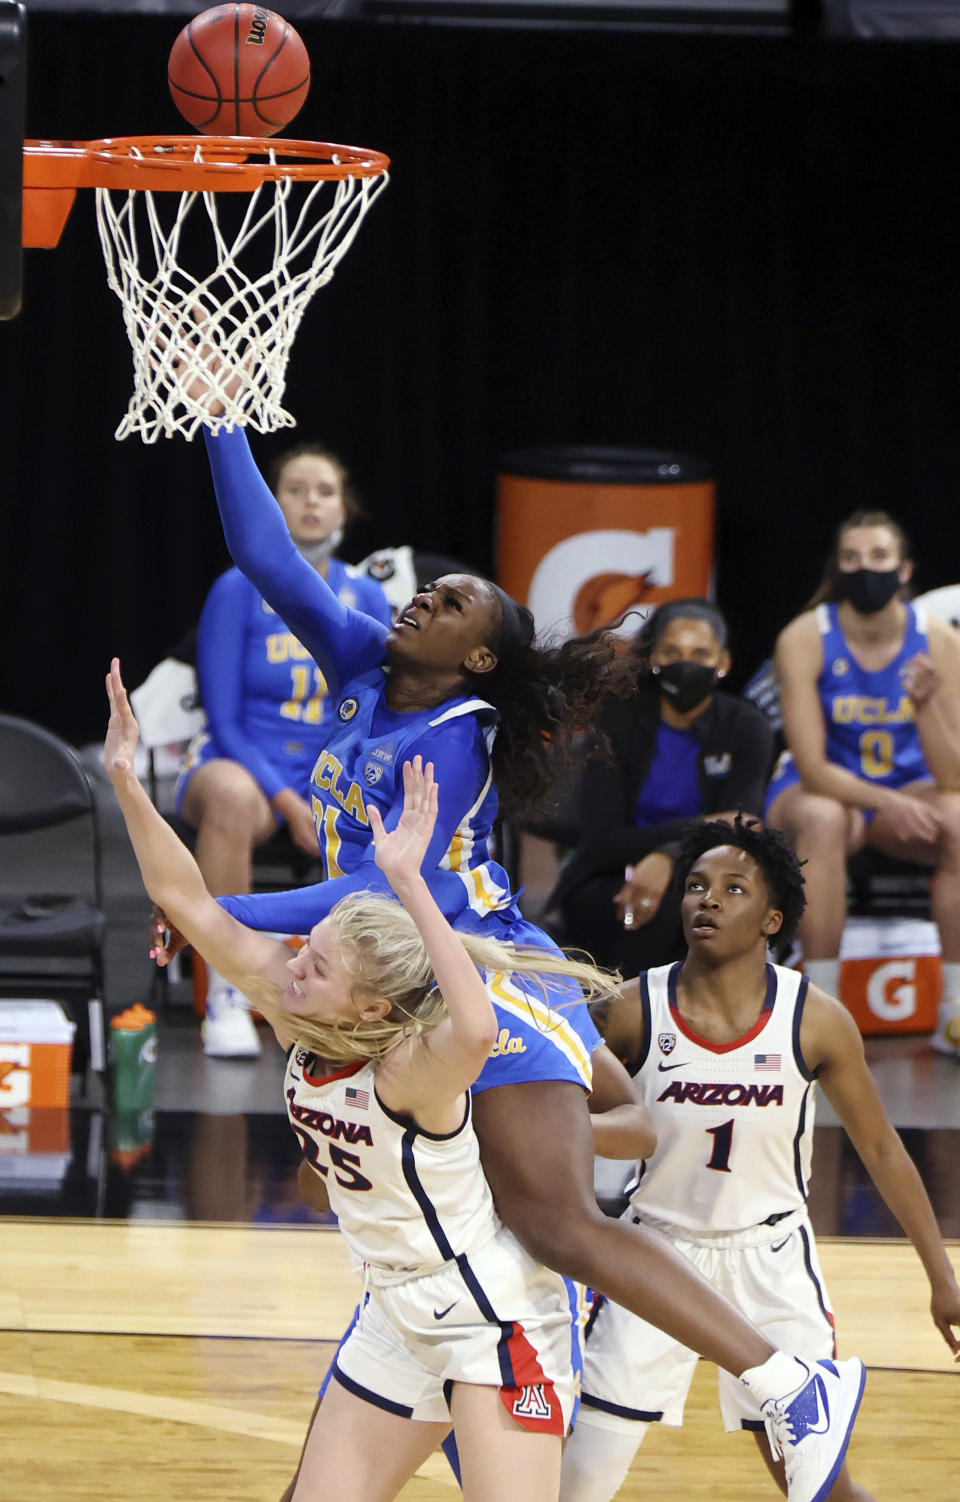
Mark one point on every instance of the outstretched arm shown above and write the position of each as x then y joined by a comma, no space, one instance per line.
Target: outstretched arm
444,1062
344,642
170,873
832,1046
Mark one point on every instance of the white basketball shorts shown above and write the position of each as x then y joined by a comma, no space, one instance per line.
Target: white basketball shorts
634,1373
495,1319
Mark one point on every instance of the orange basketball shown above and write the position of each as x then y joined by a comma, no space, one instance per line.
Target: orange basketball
238,70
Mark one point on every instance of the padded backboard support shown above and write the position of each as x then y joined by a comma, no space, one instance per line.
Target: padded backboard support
13,48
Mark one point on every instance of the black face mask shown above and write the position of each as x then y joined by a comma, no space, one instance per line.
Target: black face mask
868,589
684,684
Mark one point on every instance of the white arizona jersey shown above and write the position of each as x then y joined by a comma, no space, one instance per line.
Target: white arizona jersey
407,1200
734,1121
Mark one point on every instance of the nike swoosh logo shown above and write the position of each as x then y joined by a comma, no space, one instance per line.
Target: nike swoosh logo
662,1067
780,1244
439,1313
822,1423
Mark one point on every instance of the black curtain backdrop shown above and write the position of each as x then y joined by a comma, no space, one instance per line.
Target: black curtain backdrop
737,247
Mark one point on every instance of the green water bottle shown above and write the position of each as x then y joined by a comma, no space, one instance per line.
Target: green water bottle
133,1058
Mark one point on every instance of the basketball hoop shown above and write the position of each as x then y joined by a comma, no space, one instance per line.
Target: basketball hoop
226,324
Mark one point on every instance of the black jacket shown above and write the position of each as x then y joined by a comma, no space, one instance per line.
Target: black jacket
735,762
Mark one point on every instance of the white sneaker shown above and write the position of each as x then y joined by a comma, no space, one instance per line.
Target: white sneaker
227,1028
946,1038
810,1427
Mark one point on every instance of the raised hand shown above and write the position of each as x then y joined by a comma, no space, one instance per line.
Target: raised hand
400,853
123,732
164,938
205,376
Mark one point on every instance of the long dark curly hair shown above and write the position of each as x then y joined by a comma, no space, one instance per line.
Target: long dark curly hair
548,698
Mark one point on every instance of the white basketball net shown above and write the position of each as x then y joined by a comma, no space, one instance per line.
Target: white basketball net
248,319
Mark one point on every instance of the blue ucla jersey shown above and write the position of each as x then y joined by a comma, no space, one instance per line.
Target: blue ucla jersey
870,720
362,761
365,746
264,698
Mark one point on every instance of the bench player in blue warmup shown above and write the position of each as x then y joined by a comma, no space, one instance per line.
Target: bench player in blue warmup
870,690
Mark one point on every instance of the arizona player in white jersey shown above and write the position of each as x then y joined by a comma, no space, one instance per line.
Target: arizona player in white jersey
728,1051
388,1015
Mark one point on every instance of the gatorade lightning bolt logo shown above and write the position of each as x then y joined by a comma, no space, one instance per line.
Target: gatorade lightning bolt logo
7,1066
605,597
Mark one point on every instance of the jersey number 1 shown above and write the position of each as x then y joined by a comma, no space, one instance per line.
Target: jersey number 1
722,1141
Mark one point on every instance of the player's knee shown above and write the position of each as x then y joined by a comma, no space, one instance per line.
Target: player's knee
233,801
819,824
948,811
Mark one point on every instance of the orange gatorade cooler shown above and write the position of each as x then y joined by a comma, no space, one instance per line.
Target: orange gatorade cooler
36,1049
585,533
890,972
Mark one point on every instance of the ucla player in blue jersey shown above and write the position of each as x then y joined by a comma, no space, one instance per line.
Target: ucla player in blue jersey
460,680
265,702
729,1052
870,693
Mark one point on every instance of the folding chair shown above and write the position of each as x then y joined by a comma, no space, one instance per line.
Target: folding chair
51,934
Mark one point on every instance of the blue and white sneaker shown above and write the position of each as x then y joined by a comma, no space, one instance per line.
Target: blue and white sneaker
227,1028
810,1427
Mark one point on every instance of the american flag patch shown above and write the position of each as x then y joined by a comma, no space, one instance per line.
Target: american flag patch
358,1098
766,1061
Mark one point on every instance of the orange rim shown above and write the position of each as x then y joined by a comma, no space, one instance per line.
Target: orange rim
221,164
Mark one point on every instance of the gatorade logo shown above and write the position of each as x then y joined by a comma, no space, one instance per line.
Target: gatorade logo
890,1002
574,590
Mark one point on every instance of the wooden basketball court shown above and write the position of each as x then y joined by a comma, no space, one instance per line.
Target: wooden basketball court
148,1361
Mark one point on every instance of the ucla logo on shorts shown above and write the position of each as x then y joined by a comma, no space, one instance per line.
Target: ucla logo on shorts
348,709
507,1042
839,666
667,1042
372,774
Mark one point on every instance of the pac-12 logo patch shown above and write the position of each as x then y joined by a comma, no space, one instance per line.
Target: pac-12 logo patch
667,1042
839,666
348,709
372,773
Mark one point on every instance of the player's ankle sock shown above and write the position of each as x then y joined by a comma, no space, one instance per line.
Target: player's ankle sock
950,988
215,981
823,973
778,1375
